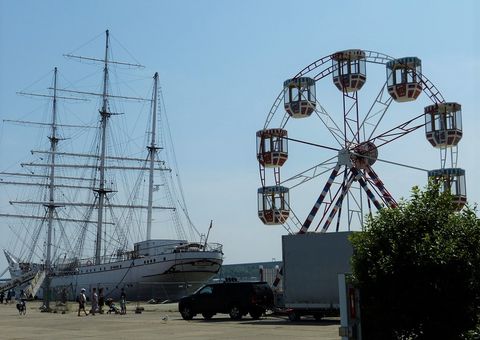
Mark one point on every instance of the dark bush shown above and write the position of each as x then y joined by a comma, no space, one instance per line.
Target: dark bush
418,270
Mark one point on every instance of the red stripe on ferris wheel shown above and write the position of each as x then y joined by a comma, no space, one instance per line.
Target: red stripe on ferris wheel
320,199
278,277
339,201
370,194
379,184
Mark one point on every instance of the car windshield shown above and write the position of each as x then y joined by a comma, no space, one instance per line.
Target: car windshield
199,289
206,290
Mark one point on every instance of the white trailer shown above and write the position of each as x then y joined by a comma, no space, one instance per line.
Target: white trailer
311,264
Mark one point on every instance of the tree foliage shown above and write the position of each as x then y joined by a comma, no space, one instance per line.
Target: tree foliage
418,269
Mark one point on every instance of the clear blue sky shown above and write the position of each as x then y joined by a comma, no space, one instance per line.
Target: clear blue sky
222,64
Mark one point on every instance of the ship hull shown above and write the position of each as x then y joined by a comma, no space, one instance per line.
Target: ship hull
159,277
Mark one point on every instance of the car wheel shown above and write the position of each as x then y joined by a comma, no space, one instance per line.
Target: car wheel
256,313
186,313
207,316
235,313
318,316
293,316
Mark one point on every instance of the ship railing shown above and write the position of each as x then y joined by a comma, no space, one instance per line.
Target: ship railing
214,247
195,246
90,261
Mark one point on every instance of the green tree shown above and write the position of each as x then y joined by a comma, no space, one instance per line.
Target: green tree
418,269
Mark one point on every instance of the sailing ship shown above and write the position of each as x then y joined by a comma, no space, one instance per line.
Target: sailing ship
88,221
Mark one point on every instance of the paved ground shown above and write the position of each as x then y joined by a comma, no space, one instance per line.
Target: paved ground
149,325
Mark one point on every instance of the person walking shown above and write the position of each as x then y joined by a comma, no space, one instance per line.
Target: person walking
94,301
123,302
101,300
82,299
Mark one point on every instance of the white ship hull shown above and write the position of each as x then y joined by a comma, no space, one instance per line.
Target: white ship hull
156,269
161,277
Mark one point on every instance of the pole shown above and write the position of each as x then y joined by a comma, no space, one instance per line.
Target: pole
51,205
152,151
101,190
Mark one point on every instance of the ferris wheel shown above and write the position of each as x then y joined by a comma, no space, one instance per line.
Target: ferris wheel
356,136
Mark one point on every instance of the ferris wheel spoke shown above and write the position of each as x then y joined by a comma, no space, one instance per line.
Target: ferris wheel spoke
377,110
387,197
338,204
327,204
319,201
311,144
292,220
402,165
312,172
363,183
397,132
339,214
329,123
374,158
351,127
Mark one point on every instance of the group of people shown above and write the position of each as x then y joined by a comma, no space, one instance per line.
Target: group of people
98,302
11,296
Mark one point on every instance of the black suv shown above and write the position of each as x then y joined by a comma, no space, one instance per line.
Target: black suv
234,298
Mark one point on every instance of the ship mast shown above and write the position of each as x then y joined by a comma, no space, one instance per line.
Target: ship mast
102,191
51,206
152,151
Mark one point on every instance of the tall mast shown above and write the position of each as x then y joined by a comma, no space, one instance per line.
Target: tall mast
152,151
51,205
101,190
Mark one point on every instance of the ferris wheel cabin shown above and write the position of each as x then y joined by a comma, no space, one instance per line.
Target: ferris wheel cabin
349,70
451,180
443,124
272,147
273,204
299,97
404,81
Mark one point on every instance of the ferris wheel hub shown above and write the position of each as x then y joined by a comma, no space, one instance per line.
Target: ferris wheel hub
364,155
345,158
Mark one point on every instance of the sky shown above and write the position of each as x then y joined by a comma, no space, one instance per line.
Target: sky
222,65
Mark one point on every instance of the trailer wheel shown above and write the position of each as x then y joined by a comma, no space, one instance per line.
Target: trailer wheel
294,316
207,315
256,313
